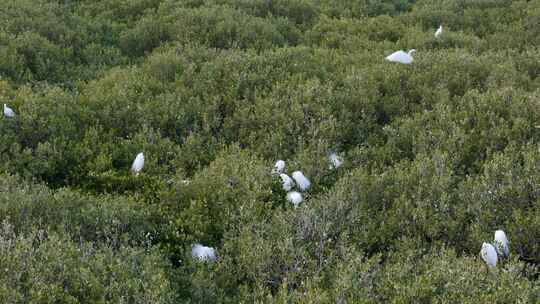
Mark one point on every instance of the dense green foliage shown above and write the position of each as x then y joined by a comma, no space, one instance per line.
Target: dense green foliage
437,154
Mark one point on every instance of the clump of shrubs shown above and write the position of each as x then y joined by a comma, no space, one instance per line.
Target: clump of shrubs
436,155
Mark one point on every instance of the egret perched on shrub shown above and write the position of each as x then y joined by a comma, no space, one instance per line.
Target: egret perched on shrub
438,32
8,112
501,243
401,57
203,253
335,160
295,198
489,254
138,164
302,182
278,167
287,182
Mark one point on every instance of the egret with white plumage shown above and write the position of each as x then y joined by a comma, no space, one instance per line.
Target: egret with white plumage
401,57
501,243
294,198
287,182
301,181
438,32
335,160
138,164
489,254
278,167
203,253
8,112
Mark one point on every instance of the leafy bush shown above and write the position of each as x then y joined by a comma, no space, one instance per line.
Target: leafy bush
43,266
104,219
437,154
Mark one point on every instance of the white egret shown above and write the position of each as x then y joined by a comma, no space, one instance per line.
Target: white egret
302,182
489,254
295,198
288,183
278,167
401,57
203,253
8,112
438,32
335,160
501,243
138,164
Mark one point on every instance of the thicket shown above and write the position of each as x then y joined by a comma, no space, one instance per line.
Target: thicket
437,154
